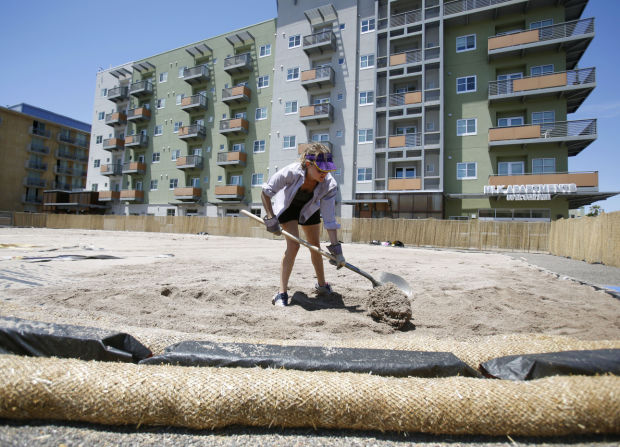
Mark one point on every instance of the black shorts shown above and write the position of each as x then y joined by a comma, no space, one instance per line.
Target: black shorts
293,212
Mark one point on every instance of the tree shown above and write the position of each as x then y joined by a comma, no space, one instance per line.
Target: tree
595,210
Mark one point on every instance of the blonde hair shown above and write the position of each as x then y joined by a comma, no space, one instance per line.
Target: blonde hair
312,149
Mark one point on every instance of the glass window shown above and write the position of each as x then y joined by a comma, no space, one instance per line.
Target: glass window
364,175
466,43
292,74
259,146
174,154
367,98
406,172
180,98
177,126
96,163
235,180
99,139
294,41
153,185
159,129
543,165
161,103
261,113
257,179
543,117
541,70
510,121
510,168
181,71
163,77
466,170
365,136
367,61
101,115
290,107
265,50
466,84
289,142
156,157
541,24
174,182
104,92
263,81
368,25
466,126
238,147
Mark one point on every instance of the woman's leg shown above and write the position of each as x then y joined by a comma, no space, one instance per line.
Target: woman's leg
313,233
288,260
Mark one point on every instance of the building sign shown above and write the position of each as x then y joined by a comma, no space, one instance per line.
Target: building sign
530,192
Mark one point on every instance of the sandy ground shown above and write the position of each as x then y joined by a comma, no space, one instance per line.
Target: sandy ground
203,285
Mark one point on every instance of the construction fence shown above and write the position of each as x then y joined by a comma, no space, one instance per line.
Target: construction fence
591,239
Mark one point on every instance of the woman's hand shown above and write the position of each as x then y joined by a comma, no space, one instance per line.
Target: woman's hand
273,226
336,251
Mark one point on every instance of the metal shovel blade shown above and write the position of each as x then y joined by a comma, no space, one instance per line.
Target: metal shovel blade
398,281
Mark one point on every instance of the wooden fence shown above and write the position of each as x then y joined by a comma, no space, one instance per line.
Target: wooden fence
591,239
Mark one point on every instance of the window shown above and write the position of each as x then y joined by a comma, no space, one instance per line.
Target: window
138,186
153,186
466,126
367,98
290,107
240,115
320,137
99,139
339,133
294,41
543,165
543,117
197,151
181,71
96,163
466,43
195,182
364,136
94,187
465,171
265,50
219,179
340,96
163,77
156,157
368,25
180,98
292,74
174,182
541,24
510,168
261,113
238,147
177,126
341,61
406,172
510,121
263,81
466,84
541,70
257,179
101,115
289,142
159,129
174,154
367,61
104,92
364,175
161,103
259,146
235,180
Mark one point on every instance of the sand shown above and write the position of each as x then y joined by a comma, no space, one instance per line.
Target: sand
183,287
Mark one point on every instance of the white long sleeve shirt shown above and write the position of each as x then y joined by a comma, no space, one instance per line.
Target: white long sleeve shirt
284,184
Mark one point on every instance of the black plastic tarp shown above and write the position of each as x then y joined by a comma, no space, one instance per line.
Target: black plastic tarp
536,366
33,338
381,362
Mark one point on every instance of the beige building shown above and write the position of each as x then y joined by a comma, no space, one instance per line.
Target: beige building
40,150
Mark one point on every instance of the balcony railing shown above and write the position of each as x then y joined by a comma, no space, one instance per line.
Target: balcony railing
36,165
189,162
188,193
194,103
318,112
139,114
34,182
234,192
113,144
406,18
33,147
240,62
234,126
111,169
399,99
236,158
118,94
459,6
62,186
32,199
107,196
237,94
569,78
317,77
193,132
407,57
137,140
134,167
40,132
319,42
116,119
407,140
404,184
132,195
580,179
196,75
63,153
63,170
141,88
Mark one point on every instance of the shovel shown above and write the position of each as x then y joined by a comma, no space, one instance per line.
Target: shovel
384,277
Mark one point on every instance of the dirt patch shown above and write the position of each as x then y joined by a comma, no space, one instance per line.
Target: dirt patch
388,304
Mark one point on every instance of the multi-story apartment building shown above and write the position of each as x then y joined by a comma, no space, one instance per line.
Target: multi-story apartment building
186,132
40,150
445,109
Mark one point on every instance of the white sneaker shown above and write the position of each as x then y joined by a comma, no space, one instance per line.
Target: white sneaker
280,299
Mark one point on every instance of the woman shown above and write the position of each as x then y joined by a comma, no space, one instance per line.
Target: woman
301,193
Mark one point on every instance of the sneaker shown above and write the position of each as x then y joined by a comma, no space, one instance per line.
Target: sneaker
323,290
280,299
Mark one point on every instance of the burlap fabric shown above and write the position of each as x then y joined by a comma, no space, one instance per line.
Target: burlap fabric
115,393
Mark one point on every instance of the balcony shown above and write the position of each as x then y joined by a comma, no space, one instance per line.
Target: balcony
234,126
404,184
195,132
317,78
113,144
132,195
138,141
188,194
229,192
468,10
65,155
39,132
574,85
135,167
116,119
194,103
316,113
575,135
319,43
63,170
405,141
231,158
196,75
407,57
399,99
238,64
37,148
141,89
302,146
118,94
189,162
587,180
401,19
111,170
34,165
108,196
139,115
571,37
33,182
33,200
236,95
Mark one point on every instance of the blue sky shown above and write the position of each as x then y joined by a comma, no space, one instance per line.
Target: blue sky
51,52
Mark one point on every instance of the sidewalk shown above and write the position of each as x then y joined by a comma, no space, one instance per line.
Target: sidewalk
597,275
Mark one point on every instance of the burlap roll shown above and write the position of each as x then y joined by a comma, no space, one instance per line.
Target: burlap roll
113,393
